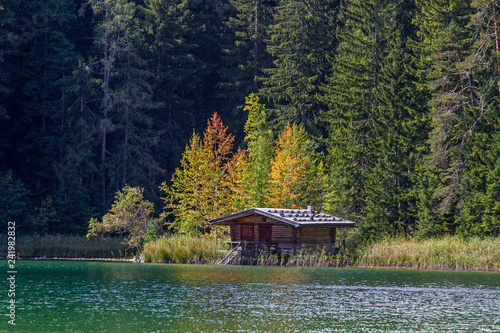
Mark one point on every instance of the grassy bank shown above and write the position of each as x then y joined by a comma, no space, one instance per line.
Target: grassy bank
184,249
438,253
453,253
65,246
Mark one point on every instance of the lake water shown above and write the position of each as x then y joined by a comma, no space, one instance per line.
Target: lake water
87,296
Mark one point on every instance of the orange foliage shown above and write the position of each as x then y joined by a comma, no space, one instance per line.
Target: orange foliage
218,142
209,182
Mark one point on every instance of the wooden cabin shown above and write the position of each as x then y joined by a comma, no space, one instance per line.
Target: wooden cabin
279,230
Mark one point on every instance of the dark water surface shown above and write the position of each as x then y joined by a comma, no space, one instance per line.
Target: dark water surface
86,296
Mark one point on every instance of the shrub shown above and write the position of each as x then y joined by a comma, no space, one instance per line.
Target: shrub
130,215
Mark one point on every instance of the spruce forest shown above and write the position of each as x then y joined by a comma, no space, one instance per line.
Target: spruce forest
383,112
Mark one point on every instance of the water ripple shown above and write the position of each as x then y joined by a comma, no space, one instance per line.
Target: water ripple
111,297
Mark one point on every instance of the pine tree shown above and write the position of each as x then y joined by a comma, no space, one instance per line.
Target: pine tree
13,198
78,192
444,44
207,26
399,127
479,200
125,125
40,56
175,73
299,41
400,133
5,49
376,117
352,96
246,52
9,40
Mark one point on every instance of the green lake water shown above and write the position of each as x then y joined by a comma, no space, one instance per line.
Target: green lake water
87,296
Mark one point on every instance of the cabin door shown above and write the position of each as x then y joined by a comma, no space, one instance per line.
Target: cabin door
265,233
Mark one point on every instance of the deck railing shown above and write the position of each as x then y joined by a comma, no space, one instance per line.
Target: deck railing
227,258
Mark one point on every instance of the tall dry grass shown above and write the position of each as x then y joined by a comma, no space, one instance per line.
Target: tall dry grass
451,252
66,246
310,257
185,249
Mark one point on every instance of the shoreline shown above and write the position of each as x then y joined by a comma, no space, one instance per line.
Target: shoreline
334,265
450,253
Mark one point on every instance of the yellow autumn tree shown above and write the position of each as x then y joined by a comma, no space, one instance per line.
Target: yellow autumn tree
287,180
237,182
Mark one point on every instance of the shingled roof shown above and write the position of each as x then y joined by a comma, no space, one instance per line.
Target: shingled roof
294,217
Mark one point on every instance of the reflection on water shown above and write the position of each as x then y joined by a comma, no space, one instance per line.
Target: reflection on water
74,296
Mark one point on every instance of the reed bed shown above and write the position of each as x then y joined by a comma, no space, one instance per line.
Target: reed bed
184,249
304,257
66,246
450,252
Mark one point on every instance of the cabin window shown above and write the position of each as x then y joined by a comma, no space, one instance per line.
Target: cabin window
247,232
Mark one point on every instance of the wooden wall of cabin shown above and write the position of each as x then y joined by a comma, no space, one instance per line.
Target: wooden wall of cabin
318,235
280,231
283,233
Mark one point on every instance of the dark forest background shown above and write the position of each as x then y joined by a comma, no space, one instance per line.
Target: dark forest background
400,97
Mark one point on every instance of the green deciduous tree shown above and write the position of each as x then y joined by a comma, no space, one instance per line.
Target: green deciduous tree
259,139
